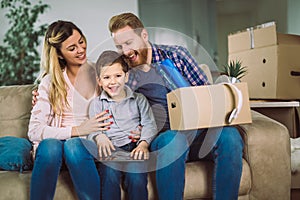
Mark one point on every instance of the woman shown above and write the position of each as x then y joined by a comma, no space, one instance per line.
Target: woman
59,120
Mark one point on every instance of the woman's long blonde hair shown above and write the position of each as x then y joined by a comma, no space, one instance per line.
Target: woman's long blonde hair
53,63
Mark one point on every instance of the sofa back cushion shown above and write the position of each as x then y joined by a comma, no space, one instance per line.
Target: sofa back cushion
15,108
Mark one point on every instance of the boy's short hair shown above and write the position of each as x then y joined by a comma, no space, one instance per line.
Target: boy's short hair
108,58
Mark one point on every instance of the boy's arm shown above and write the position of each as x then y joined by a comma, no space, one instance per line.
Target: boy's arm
149,127
103,142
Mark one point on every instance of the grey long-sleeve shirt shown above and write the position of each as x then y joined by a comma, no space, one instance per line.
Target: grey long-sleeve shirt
127,115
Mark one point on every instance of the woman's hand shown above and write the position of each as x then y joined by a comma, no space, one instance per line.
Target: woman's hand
141,151
136,134
104,145
91,125
34,97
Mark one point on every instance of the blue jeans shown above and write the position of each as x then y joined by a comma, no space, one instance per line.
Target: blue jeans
226,154
112,174
50,155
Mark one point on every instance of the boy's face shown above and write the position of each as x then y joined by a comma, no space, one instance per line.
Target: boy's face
112,80
133,46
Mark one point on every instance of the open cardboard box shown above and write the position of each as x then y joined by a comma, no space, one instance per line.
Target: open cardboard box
207,106
272,59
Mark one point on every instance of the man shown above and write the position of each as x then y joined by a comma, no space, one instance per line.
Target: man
172,147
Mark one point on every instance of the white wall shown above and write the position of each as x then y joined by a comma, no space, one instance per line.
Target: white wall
183,22
90,16
293,17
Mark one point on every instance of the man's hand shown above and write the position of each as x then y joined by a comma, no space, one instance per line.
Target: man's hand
141,151
136,134
104,144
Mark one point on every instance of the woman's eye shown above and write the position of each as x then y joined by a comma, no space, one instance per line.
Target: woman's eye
119,47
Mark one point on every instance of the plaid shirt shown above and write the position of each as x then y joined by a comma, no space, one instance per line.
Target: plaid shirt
182,59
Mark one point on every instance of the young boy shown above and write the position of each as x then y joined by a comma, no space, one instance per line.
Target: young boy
129,111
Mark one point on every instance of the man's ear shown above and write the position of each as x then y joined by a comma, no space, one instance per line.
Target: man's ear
144,35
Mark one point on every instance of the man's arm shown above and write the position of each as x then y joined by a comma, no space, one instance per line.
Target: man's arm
190,68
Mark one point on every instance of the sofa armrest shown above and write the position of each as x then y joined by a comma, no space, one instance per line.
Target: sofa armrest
15,106
267,151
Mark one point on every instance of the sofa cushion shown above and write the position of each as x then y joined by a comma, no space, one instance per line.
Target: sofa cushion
15,106
15,154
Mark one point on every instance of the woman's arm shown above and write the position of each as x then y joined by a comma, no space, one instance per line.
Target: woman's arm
43,123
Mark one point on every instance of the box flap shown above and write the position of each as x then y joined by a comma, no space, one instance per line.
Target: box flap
288,39
253,37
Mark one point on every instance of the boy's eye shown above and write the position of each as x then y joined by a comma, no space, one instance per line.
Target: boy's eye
119,75
105,77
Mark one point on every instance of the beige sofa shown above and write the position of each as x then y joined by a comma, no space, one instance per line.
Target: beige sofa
266,165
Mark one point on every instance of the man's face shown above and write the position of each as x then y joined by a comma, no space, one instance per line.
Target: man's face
132,45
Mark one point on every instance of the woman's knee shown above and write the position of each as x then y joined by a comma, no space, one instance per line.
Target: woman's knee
50,150
76,149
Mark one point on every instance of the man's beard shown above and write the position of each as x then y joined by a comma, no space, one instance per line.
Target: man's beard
142,55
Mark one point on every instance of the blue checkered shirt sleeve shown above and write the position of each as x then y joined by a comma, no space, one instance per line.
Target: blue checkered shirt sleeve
183,60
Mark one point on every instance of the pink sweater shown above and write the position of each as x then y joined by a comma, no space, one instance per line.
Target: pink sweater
44,124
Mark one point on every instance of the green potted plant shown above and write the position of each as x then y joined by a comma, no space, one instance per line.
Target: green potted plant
19,56
234,70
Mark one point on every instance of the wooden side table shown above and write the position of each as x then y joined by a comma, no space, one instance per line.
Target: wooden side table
285,112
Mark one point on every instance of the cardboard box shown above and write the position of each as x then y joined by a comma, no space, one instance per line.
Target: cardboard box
207,106
272,59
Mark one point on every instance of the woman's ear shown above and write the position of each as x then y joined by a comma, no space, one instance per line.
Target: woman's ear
60,56
98,81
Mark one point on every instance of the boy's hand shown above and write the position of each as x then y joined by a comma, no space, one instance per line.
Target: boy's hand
104,145
141,151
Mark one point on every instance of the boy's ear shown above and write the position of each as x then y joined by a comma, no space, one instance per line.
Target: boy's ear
126,77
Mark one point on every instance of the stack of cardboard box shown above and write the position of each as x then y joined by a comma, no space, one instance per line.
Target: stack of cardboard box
273,63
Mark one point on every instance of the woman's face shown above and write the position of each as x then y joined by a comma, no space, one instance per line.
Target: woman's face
73,49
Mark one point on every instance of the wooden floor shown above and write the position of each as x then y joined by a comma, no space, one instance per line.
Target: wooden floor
295,194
